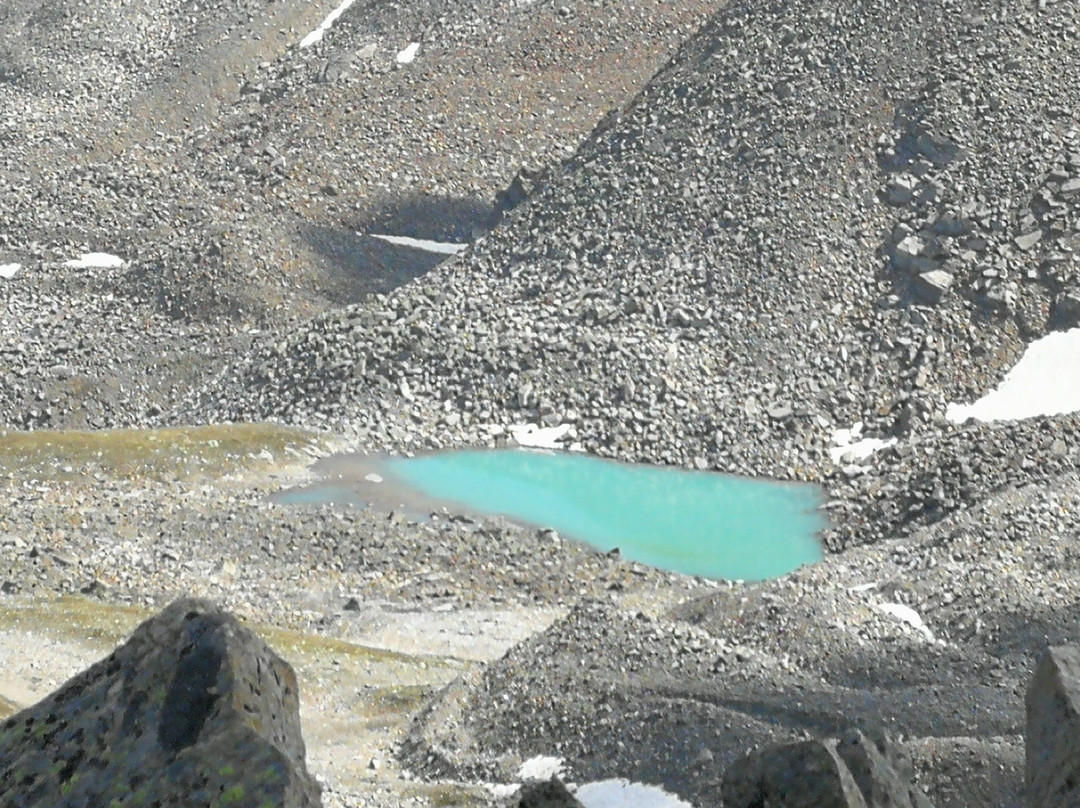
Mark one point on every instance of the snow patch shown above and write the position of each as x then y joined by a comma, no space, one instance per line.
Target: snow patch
408,54
324,26
541,767
538,437
909,616
441,247
95,260
9,270
850,447
1046,381
624,794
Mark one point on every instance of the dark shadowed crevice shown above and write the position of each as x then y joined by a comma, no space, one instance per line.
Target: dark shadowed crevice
191,695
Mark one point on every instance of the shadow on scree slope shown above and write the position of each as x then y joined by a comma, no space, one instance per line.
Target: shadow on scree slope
360,265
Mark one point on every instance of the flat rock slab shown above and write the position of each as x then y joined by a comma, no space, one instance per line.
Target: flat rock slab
193,709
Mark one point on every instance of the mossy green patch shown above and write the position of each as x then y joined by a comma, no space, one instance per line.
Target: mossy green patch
71,617
154,454
290,643
234,795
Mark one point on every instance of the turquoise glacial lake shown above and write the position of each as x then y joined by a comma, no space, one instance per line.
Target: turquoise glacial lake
697,523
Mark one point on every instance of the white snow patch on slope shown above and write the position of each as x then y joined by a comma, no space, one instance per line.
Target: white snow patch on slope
324,26
850,447
441,247
95,260
909,616
9,270
539,437
408,54
1046,381
624,794
541,767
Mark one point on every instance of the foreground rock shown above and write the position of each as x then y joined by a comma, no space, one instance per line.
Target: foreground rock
1053,719
193,710
847,773
547,794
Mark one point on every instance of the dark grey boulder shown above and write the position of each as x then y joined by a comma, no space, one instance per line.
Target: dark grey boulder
880,780
852,772
1052,767
193,710
547,794
809,774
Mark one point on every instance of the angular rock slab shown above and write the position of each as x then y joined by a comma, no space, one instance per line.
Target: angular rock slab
193,710
851,772
1052,769
809,774
882,780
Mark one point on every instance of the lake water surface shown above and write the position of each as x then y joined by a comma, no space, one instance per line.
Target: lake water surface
697,523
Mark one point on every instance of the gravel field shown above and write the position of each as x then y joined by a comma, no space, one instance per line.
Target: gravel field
746,228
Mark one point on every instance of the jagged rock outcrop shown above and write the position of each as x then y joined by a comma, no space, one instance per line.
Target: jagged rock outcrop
547,794
1053,726
847,773
193,710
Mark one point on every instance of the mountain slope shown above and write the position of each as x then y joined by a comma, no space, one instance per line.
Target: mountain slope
744,260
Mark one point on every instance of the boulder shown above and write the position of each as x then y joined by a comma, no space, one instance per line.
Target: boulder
931,286
193,710
809,774
547,794
1052,767
880,780
852,772
1067,309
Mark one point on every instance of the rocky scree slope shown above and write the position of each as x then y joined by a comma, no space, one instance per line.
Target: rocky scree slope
816,214
674,696
238,174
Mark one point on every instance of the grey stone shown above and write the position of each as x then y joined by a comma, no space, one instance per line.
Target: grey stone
1070,187
1067,308
1028,240
908,251
900,189
192,709
878,781
931,286
547,794
810,774
1052,770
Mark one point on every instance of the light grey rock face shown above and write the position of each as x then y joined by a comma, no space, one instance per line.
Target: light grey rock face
1053,730
193,710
